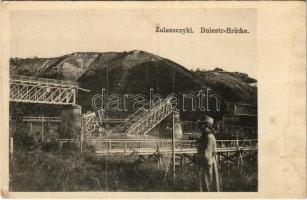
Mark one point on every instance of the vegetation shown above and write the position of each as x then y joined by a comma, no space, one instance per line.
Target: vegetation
239,75
38,170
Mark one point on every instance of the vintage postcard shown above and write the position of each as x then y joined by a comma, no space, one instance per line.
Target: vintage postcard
153,99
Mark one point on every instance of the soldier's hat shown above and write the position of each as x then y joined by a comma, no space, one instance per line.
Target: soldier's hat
205,119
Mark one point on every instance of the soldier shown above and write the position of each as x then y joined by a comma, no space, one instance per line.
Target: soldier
205,157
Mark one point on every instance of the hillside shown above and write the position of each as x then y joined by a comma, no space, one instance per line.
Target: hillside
231,84
133,72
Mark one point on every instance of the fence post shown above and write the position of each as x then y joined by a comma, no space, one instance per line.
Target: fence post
11,146
42,130
81,138
173,150
125,145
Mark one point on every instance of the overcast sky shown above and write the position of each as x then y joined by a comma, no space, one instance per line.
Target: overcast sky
57,32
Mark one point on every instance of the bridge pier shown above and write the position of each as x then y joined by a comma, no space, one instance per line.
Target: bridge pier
177,126
71,122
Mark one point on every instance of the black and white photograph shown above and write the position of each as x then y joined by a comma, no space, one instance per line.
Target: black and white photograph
133,100
134,120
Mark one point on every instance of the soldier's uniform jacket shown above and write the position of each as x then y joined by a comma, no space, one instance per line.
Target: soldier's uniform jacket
206,149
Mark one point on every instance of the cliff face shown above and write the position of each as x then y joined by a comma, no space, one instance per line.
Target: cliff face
134,72
67,67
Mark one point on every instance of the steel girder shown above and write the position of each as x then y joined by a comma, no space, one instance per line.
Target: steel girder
153,117
42,93
139,123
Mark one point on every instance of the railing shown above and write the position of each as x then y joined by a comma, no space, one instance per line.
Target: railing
109,121
164,145
236,144
37,118
28,79
245,110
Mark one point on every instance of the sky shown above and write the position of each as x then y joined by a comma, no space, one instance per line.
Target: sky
52,33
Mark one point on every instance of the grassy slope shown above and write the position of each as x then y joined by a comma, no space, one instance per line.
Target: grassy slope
41,171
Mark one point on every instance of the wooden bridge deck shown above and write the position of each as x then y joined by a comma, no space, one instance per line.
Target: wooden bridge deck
164,146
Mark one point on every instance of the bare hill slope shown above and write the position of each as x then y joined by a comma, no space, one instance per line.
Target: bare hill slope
134,72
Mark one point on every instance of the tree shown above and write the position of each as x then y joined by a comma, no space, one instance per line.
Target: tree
217,69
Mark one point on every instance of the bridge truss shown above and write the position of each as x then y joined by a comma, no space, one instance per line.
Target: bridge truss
140,122
245,110
38,90
151,118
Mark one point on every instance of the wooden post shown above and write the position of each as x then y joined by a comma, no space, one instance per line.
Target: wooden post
237,149
31,128
74,96
227,162
238,158
42,130
181,163
11,146
217,179
237,139
173,150
81,138
160,161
